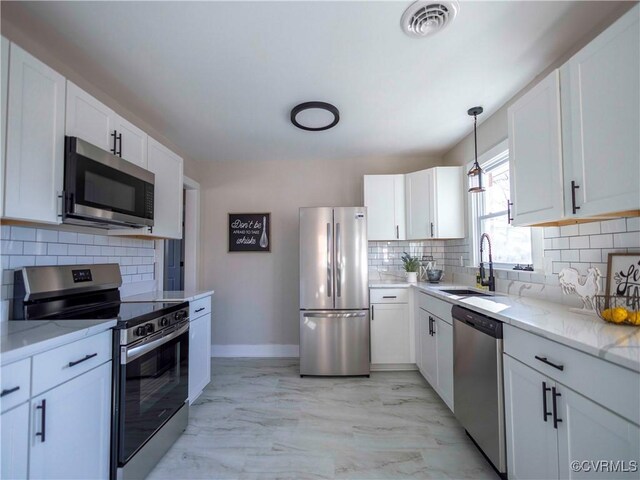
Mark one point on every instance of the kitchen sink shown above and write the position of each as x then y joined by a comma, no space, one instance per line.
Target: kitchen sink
466,293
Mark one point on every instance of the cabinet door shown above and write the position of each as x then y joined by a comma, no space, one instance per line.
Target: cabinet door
418,201
447,202
532,442
167,167
604,120
591,432
77,428
535,154
199,355
132,146
384,199
14,433
444,337
35,139
89,119
4,72
390,333
429,350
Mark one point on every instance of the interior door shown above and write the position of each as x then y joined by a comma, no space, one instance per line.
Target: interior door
316,258
351,262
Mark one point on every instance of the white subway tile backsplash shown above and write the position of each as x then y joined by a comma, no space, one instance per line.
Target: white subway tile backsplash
570,255
569,230
591,255
560,243
57,249
100,240
35,248
579,242
551,232
85,239
67,237
5,232
43,235
591,228
22,233
19,261
11,247
43,260
67,260
105,251
633,224
77,250
92,249
626,240
614,226
601,241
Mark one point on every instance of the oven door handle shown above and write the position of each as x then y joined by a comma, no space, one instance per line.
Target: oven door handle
136,352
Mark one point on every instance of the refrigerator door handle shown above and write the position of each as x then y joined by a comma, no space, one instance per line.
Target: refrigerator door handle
329,266
334,315
338,261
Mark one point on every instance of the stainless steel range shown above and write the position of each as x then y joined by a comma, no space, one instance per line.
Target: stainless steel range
150,355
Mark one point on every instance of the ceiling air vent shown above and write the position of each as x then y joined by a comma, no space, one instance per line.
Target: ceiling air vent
422,19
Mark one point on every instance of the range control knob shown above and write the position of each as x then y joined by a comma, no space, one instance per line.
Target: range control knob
141,331
164,321
148,328
180,315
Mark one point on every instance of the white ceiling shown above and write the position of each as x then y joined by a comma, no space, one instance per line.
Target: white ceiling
219,79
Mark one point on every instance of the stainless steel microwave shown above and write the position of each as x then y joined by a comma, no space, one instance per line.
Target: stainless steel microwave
103,190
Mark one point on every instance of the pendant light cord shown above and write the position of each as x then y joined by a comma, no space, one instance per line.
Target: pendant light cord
475,137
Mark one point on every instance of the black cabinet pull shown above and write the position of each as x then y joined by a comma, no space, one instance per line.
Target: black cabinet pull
555,395
7,391
373,312
397,232
114,134
199,310
545,389
389,296
574,208
43,416
551,364
432,229
432,322
120,143
509,219
87,357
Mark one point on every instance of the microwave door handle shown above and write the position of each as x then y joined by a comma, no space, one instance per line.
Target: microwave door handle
130,354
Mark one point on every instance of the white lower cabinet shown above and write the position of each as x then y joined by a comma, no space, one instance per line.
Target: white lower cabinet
14,443
428,349
444,339
70,428
390,338
199,355
549,426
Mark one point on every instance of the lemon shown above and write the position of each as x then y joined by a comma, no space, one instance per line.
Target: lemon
619,315
606,314
634,317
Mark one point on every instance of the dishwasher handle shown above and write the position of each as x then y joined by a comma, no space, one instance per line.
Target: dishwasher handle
482,323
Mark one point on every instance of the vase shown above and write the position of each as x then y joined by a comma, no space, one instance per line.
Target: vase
412,277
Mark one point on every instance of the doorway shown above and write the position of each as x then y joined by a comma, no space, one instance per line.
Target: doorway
174,258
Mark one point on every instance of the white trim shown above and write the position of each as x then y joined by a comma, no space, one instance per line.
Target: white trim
191,233
393,367
267,350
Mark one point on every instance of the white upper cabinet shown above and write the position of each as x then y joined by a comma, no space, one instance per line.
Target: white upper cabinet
434,203
131,141
602,120
4,71
535,154
89,119
384,199
35,139
94,122
168,169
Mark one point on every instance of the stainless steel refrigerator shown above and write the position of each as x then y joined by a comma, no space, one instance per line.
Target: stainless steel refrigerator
334,291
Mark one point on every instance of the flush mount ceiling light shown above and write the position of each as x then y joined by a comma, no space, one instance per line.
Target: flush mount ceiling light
475,173
424,18
315,116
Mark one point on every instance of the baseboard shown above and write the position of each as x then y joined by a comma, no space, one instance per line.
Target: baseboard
265,350
393,367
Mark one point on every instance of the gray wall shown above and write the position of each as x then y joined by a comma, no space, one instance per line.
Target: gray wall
256,299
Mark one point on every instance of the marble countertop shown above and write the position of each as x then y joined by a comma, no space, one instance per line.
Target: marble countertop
22,338
169,296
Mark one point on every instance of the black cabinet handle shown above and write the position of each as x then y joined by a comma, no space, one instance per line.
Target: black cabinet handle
432,322
7,391
199,310
432,229
545,389
389,296
397,232
551,364
43,416
87,357
574,208
509,219
114,134
120,143
373,312
555,395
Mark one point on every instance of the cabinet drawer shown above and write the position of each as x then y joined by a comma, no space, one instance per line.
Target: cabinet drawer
389,295
612,386
437,307
199,307
14,383
63,363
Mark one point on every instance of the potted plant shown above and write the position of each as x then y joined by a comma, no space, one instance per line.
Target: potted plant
411,266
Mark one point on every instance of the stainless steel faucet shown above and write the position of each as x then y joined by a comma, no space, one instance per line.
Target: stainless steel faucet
491,282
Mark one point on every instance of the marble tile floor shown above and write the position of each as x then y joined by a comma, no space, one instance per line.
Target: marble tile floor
258,419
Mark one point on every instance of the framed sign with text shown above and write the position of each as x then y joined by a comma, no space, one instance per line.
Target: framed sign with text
249,232
623,274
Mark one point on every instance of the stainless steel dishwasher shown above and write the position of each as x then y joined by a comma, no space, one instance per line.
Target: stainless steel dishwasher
478,390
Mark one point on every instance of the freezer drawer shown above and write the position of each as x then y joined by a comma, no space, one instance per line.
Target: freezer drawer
334,342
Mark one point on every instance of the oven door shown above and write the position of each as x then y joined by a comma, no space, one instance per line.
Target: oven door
104,188
154,384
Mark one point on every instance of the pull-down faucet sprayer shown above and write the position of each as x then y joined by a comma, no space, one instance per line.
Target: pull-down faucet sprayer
491,282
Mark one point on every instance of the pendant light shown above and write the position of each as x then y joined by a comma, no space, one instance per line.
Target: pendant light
475,174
